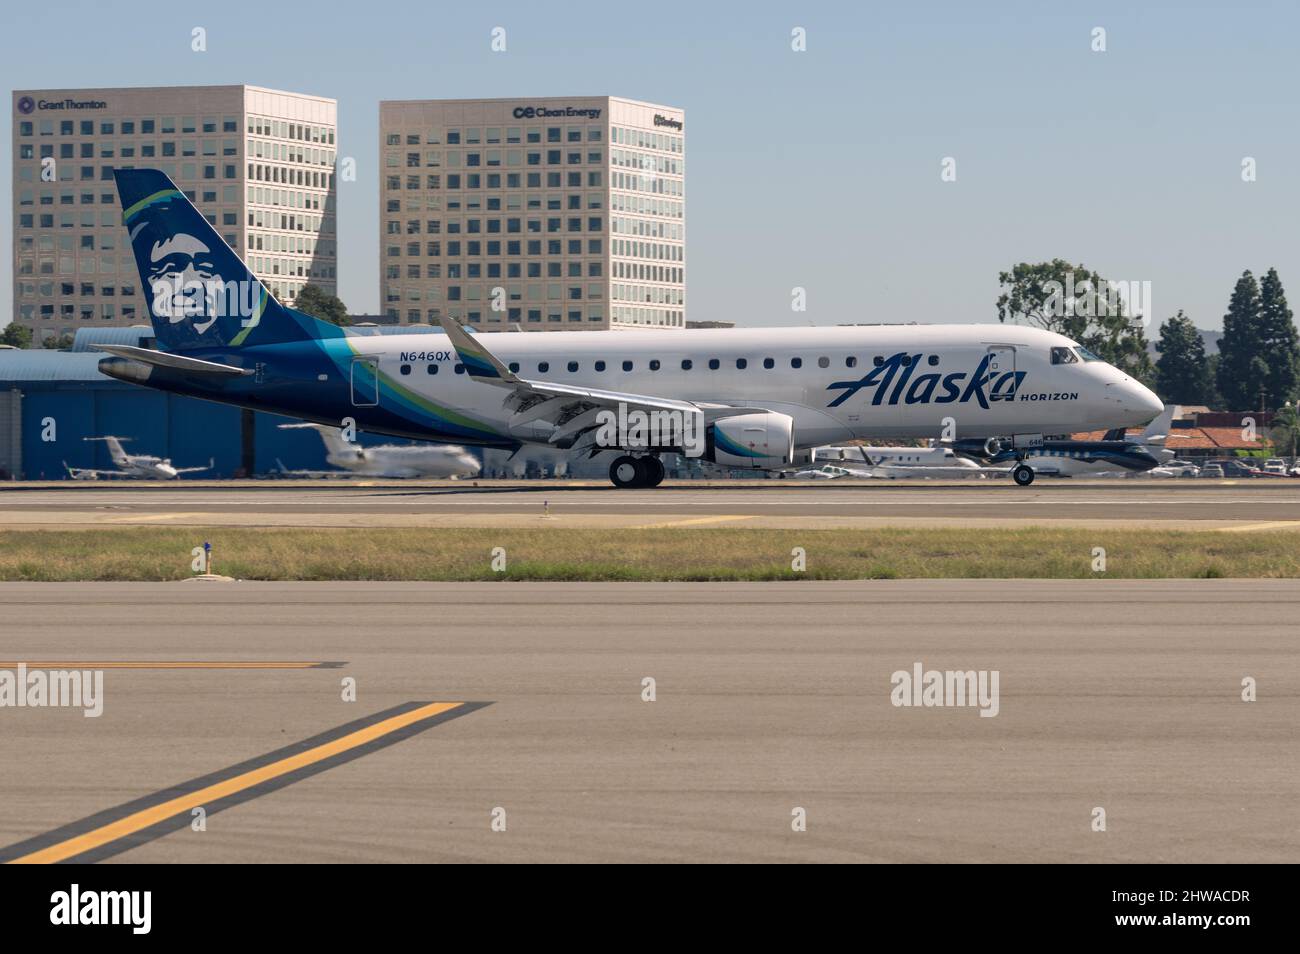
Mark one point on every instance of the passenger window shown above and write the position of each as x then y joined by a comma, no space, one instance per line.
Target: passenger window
405,369
1063,356
573,366
627,365
796,362
432,369
600,365
934,360
686,364
741,364
714,364
654,364
877,361
460,368
850,362
514,367
543,367
769,363
823,362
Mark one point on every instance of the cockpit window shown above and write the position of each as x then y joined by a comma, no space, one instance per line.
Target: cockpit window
1087,355
1063,356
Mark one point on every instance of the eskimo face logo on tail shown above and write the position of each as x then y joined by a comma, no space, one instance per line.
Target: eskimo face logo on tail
185,285
896,381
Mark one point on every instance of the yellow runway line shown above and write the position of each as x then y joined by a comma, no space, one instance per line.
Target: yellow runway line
207,795
695,521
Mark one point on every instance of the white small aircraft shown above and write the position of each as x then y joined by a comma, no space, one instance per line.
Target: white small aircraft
387,460
827,472
894,462
142,466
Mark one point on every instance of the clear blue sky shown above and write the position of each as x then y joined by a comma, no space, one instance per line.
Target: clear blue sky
817,169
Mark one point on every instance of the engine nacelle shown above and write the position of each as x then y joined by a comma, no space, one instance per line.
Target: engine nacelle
759,441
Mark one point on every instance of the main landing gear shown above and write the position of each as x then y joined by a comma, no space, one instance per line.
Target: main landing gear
636,472
1023,474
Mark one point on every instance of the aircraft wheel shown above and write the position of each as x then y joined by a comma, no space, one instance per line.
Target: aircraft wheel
626,472
1023,475
654,471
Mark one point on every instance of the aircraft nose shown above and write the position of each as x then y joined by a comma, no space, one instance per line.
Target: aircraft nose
1137,400
1147,400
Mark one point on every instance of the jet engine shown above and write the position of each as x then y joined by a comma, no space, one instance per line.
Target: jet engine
760,441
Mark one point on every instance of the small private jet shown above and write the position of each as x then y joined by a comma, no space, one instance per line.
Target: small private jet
386,460
892,463
138,466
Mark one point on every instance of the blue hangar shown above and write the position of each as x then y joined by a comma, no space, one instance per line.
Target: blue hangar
51,400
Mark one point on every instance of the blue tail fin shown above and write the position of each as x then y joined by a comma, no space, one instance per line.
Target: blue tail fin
201,295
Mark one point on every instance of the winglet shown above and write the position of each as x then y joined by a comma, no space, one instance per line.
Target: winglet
478,360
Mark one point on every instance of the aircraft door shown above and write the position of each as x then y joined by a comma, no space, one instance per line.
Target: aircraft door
1002,373
365,382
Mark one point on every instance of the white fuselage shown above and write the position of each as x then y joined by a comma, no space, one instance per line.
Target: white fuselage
837,384
895,462
399,461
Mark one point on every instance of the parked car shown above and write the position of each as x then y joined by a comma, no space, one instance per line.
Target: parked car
1235,467
1212,470
1180,468
1275,465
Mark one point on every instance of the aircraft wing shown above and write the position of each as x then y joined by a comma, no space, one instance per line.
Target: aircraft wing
76,473
194,470
571,409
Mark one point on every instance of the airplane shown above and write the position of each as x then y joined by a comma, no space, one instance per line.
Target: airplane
895,462
756,399
827,472
132,465
1114,453
388,460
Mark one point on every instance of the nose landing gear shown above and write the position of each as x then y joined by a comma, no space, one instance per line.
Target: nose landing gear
628,472
1023,474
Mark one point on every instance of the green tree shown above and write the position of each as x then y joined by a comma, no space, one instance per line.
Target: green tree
17,335
1078,303
1211,397
319,303
57,343
1182,370
1286,430
1278,343
1239,346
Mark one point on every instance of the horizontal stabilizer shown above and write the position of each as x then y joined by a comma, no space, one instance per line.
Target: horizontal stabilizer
166,359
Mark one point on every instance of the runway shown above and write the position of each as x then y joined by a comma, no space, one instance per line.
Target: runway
1168,504
773,697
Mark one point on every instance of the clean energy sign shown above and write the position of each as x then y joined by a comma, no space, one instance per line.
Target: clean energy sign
542,112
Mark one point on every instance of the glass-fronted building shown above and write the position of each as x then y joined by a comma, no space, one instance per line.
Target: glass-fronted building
258,163
547,214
